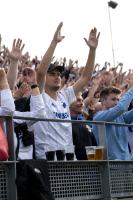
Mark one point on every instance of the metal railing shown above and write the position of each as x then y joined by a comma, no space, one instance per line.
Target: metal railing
73,180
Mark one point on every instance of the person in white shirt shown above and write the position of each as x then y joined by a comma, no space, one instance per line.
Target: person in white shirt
25,151
55,136
7,100
7,106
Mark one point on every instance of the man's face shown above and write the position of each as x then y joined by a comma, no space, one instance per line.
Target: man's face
77,106
53,80
110,101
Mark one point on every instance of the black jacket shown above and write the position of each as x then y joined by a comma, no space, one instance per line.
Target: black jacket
82,137
33,180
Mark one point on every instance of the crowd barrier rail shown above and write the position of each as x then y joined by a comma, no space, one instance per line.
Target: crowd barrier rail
73,180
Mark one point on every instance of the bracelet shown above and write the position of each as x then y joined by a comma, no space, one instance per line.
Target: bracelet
34,86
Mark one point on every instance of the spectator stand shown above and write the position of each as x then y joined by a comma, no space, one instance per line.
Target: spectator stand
74,180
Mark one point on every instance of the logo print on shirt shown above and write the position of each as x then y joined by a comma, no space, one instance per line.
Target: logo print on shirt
61,115
64,105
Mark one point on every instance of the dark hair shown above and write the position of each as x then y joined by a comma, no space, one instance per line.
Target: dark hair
53,67
109,90
65,74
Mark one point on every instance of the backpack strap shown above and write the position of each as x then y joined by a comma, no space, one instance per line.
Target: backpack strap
17,132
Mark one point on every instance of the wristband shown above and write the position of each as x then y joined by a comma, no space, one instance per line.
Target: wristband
34,86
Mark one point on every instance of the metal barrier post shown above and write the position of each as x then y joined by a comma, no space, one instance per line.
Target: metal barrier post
105,176
102,138
12,193
10,137
105,173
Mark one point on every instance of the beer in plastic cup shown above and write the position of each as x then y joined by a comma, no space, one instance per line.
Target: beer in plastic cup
90,152
99,153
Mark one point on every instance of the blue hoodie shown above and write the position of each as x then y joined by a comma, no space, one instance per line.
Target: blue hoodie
117,136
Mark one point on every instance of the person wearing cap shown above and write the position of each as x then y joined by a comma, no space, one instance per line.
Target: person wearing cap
24,135
53,136
24,148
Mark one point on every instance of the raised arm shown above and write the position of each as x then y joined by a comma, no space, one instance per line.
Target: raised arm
42,69
92,42
6,99
95,84
37,108
14,56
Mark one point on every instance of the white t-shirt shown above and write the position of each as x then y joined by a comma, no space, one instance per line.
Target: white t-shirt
54,135
6,102
39,112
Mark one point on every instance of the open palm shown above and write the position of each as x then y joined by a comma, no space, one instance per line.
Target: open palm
17,49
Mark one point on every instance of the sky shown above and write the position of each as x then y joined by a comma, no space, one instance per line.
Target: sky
35,21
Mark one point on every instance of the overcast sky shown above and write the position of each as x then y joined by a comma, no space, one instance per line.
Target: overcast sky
36,20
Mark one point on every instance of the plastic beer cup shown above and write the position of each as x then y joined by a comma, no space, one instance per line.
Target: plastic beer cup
99,153
90,152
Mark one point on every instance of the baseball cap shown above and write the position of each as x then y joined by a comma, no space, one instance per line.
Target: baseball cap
53,67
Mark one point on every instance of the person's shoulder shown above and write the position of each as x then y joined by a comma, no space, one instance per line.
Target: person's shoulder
67,94
98,114
45,95
65,89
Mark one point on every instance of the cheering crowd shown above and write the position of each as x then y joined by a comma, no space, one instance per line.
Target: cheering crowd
59,89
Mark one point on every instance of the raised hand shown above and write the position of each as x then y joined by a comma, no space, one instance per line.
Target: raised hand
96,80
130,82
17,49
92,42
57,36
23,90
3,80
71,63
29,76
64,60
76,62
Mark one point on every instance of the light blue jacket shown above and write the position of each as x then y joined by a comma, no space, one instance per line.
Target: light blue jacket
117,136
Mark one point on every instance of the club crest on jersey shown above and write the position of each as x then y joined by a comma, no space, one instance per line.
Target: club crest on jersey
64,105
